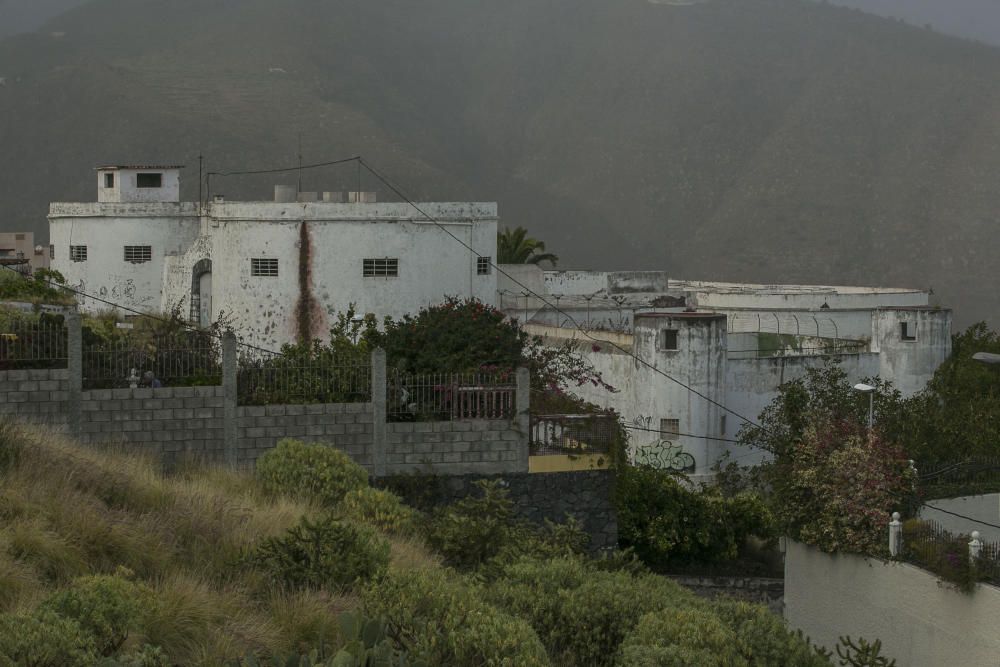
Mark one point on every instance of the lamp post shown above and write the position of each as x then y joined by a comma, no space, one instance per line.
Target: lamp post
870,390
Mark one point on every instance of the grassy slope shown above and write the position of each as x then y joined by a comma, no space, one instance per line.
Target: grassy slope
773,140
67,511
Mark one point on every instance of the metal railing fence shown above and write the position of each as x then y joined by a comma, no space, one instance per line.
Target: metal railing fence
572,434
315,376
26,343
158,361
450,396
961,559
968,477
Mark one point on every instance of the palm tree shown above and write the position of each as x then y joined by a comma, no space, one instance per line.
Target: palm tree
514,246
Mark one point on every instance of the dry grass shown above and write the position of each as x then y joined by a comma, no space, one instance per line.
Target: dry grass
66,510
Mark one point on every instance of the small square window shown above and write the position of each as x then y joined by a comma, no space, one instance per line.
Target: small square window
149,180
78,253
138,254
668,339
267,268
52,251
907,331
18,237
380,268
484,266
109,180
670,427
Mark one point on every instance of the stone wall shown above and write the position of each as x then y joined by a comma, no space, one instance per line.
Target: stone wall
584,495
762,590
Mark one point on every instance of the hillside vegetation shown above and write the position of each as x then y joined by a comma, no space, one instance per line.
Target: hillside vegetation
762,140
104,558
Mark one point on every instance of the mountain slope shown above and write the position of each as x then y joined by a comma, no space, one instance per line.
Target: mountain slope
768,140
970,19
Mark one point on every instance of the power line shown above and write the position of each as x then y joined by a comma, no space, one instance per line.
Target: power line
960,516
686,435
182,323
279,170
531,292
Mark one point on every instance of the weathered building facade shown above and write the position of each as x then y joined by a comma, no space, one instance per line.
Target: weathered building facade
677,351
277,271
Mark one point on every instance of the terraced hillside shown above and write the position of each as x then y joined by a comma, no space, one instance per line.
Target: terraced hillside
757,140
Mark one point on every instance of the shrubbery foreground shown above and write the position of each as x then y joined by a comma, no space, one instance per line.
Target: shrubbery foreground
105,561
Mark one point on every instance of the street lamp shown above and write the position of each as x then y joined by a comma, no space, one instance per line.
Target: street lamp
870,390
986,358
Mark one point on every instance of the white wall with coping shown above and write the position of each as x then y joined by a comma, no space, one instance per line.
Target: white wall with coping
911,364
982,508
126,189
921,621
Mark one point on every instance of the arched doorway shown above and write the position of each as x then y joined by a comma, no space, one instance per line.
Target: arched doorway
201,293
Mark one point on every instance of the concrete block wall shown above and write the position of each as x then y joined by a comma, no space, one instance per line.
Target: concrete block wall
347,426
482,447
38,395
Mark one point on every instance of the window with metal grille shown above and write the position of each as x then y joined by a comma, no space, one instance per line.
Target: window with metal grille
670,427
78,253
264,267
52,251
18,237
483,266
381,268
149,180
138,254
668,339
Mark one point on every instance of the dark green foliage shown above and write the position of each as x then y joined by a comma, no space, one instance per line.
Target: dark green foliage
680,637
325,553
862,653
940,552
316,472
42,287
478,530
11,443
147,656
368,645
514,246
762,639
44,639
444,619
106,607
669,525
581,613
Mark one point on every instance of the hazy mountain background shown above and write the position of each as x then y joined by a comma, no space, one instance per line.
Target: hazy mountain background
971,19
756,140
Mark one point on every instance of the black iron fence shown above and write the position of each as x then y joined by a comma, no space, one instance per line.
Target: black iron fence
961,559
265,378
450,396
572,434
33,343
152,362
968,477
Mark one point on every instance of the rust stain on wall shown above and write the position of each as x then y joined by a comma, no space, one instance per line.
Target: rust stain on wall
309,317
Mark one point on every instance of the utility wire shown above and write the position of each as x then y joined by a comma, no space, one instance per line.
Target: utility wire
960,516
279,170
687,435
389,184
182,323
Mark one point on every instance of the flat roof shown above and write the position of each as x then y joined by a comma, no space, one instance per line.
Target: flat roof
116,167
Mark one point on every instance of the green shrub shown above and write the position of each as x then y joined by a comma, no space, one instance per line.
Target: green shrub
580,613
444,620
382,509
313,471
106,607
323,554
763,639
680,638
44,640
147,656
481,530
669,525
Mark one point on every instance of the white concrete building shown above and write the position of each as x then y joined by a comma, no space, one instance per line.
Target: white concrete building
732,344
278,270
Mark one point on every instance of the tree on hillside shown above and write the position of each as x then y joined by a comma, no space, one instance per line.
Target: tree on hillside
514,246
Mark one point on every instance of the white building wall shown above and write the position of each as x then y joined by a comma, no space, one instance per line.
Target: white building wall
126,190
921,621
105,229
911,364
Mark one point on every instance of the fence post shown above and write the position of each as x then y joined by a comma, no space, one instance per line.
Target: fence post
975,547
523,415
230,397
895,535
74,368
379,416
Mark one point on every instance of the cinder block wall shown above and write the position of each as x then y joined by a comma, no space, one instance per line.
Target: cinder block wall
39,396
482,447
347,426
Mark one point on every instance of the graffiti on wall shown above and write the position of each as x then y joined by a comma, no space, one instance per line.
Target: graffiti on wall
661,454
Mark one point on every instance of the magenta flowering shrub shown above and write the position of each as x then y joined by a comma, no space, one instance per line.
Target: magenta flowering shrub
837,486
